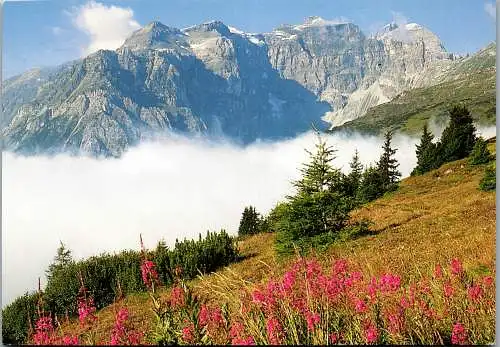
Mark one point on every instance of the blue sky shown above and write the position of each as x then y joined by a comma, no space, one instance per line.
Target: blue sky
44,33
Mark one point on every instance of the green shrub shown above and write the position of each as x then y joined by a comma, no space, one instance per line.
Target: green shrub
16,318
480,153
489,180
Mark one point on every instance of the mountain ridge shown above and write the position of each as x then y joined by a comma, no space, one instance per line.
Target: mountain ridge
211,79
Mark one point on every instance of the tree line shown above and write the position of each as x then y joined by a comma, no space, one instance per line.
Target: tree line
318,212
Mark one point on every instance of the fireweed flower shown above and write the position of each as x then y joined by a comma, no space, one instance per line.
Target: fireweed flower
187,334
340,267
177,298
359,305
249,341
70,340
312,319
488,281
274,331
474,292
371,333
149,274
438,271
458,334
203,316
389,282
236,330
456,267
44,331
334,338
448,289
86,310
288,280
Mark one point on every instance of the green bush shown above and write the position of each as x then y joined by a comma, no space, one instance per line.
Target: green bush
480,153
489,180
16,318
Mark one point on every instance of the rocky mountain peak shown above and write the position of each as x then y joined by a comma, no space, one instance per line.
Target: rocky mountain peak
211,26
155,35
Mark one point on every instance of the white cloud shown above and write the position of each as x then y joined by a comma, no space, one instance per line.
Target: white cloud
491,9
169,189
107,27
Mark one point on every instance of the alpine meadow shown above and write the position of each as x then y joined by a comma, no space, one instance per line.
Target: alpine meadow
248,173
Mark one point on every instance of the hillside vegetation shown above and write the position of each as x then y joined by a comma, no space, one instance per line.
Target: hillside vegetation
439,218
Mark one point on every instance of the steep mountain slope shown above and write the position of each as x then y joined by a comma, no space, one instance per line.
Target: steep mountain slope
470,80
212,79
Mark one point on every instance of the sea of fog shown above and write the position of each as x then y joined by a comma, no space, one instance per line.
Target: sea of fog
168,189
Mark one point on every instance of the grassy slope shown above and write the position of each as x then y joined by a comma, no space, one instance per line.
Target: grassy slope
431,218
471,82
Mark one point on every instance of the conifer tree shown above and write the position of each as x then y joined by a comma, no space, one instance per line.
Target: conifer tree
318,175
459,137
480,153
387,165
250,221
353,179
426,153
62,258
371,186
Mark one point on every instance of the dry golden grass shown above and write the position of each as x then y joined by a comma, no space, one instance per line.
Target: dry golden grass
430,219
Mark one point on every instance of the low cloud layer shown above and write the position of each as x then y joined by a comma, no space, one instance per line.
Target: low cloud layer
107,27
170,189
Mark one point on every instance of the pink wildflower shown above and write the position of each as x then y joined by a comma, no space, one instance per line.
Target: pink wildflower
340,267
488,281
70,340
448,289
86,310
236,329
456,266
44,331
203,316
334,338
474,292
149,274
371,333
459,335
359,305
177,298
274,331
389,282
288,280
312,320
187,334
438,271
249,341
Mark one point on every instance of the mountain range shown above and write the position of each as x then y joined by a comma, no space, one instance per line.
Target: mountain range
214,80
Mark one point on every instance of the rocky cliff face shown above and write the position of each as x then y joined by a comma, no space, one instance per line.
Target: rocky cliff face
211,79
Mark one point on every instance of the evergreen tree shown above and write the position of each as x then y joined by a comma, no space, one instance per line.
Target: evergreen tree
353,179
489,180
387,165
319,206
480,153
372,185
318,175
63,258
459,137
250,221
426,154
